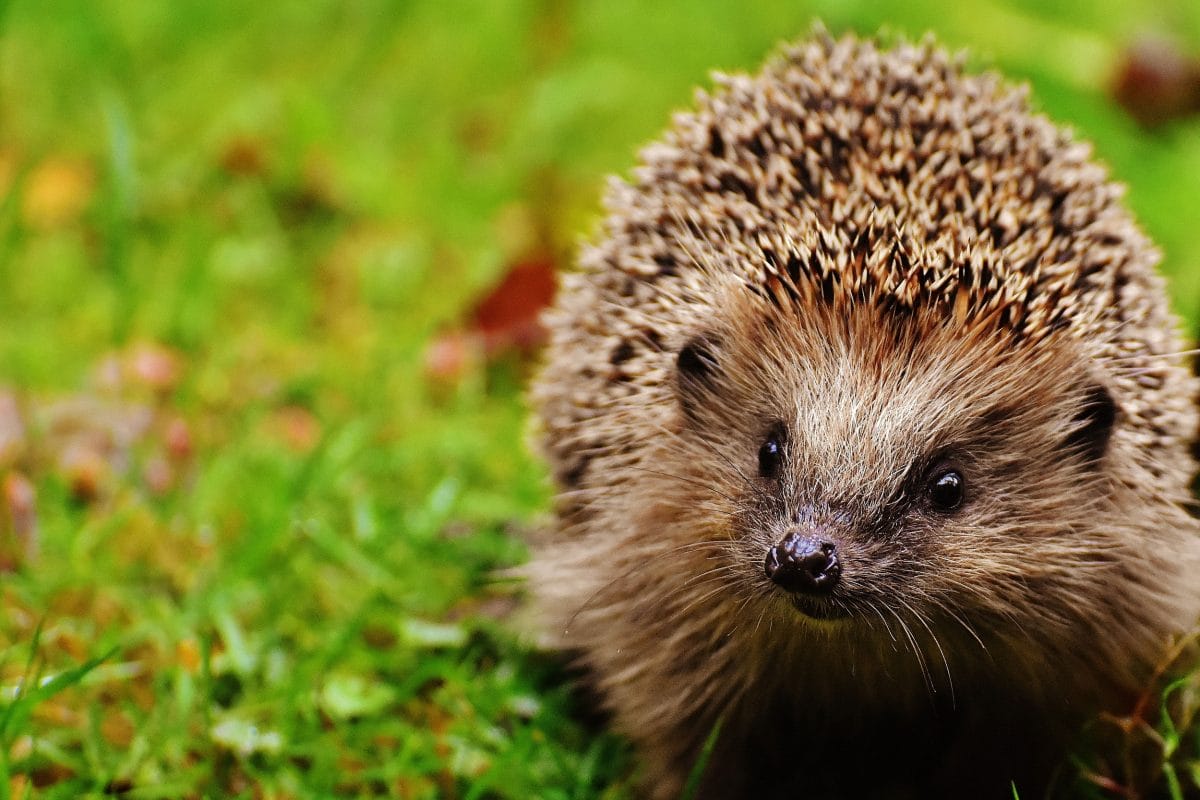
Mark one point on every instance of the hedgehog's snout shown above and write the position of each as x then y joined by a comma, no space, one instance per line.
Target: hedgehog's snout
803,562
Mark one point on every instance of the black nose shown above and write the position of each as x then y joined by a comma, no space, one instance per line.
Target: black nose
803,563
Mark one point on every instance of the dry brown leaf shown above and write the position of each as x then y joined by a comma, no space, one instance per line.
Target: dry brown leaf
245,156
85,470
1157,82
116,728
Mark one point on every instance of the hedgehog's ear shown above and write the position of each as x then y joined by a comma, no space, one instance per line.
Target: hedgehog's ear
1093,424
696,371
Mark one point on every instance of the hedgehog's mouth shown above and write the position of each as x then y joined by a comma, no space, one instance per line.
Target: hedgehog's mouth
818,608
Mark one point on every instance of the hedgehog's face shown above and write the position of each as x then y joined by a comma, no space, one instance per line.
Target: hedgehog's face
877,468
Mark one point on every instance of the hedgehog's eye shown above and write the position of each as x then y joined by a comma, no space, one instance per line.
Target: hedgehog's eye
946,488
770,455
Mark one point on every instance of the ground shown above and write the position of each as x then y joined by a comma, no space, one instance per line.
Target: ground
262,463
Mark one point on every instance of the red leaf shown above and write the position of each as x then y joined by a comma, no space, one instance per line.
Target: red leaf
508,315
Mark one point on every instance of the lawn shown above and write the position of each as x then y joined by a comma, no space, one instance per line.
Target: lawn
262,461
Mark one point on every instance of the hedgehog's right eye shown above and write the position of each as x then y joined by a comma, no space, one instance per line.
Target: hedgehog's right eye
946,489
770,455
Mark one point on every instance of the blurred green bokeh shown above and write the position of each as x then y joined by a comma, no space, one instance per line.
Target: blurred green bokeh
434,117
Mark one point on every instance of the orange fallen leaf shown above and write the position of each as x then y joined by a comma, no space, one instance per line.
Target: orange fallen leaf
69,641
116,728
297,427
57,192
187,652
178,439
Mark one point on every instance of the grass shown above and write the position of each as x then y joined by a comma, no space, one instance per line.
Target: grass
248,541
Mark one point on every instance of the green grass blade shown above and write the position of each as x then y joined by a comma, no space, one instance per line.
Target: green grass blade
693,782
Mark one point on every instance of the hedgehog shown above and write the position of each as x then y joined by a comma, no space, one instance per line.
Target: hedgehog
871,439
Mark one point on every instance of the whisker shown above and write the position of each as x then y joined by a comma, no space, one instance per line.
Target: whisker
936,643
692,481
954,615
636,569
871,605
916,650
721,586
761,614
1152,356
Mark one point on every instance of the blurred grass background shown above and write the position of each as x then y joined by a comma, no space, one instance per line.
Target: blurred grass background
230,235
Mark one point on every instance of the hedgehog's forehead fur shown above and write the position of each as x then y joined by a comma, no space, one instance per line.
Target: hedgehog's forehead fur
865,394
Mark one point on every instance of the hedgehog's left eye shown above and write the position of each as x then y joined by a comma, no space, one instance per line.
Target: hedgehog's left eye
946,488
770,455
